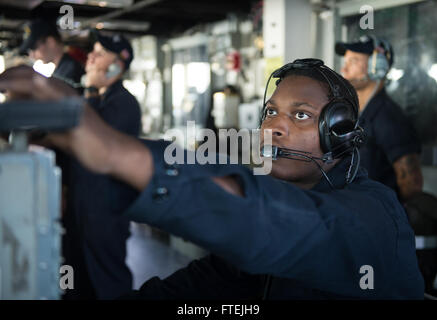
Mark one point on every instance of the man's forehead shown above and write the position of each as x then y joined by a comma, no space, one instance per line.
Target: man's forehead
300,91
294,104
350,54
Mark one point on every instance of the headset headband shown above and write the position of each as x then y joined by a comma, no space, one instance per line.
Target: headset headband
382,43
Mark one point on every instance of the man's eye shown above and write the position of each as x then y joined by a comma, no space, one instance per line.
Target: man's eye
301,115
270,112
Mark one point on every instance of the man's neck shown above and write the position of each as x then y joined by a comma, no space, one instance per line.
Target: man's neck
305,185
59,52
102,90
368,92
311,182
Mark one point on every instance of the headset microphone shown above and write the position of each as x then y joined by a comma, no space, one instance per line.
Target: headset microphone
275,152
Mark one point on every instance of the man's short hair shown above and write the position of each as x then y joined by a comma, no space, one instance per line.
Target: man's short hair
37,32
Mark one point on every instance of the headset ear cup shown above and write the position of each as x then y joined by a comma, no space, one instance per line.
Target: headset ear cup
378,64
337,124
324,134
377,67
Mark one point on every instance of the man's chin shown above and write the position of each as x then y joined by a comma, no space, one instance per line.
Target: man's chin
285,169
359,84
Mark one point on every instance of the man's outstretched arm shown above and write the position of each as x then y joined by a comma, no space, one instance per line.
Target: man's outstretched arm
97,146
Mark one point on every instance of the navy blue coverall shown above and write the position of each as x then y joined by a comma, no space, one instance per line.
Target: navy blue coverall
69,70
390,136
312,242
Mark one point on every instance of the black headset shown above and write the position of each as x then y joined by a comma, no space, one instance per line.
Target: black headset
338,122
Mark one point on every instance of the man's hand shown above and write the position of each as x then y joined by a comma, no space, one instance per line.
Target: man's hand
95,144
96,78
23,82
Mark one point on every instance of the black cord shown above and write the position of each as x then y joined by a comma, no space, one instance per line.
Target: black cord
324,174
348,174
357,165
289,156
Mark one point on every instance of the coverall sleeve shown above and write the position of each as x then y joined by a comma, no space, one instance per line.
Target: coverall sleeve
322,239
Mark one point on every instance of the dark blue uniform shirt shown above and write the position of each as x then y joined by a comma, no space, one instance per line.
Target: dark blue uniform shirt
69,70
95,243
390,135
313,242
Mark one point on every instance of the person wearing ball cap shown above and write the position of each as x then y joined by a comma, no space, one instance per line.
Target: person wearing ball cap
42,41
95,245
106,64
391,153
118,45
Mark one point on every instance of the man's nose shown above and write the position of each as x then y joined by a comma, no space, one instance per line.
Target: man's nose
280,126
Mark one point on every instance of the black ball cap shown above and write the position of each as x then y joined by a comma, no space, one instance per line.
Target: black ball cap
36,30
117,44
363,46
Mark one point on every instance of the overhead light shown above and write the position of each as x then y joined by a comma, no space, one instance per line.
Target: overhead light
103,4
123,25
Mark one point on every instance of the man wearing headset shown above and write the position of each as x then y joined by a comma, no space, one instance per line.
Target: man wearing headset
391,153
96,232
315,228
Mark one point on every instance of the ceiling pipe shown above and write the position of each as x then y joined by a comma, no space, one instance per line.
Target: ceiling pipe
91,22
